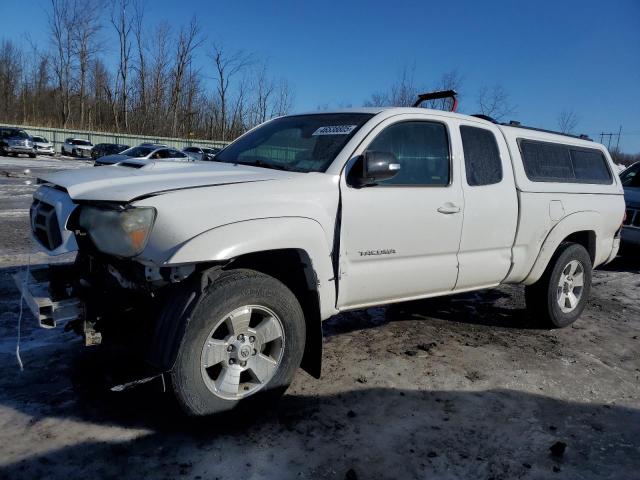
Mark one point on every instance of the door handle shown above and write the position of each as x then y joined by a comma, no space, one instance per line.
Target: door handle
449,208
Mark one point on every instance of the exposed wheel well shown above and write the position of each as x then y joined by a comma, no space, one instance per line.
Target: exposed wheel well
293,267
586,238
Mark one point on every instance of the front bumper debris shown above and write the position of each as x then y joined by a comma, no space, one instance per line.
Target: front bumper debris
48,310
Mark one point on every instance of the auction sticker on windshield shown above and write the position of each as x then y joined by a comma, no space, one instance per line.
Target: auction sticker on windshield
335,130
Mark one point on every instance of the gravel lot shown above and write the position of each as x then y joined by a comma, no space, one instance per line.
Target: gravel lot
458,387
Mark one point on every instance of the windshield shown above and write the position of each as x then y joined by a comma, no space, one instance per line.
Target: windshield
81,142
138,151
39,139
15,134
301,143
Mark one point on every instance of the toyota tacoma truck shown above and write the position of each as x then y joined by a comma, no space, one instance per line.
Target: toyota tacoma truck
223,271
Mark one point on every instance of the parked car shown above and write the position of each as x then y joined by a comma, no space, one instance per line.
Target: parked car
228,268
143,153
631,183
201,153
42,146
76,147
15,141
102,149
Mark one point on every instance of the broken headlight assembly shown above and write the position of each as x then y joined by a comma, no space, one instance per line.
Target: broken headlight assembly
122,232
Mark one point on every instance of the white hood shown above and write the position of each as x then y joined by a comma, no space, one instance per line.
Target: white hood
122,184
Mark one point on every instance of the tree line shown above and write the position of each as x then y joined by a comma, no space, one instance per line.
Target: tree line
107,67
154,86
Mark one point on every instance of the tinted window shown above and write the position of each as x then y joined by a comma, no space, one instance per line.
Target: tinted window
631,176
554,162
481,156
191,150
162,153
15,133
422,150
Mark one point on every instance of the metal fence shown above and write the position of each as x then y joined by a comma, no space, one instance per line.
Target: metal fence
58,135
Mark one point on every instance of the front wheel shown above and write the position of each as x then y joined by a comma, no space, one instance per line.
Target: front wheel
243,344
558,298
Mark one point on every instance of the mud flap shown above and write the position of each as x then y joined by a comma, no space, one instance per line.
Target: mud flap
174,317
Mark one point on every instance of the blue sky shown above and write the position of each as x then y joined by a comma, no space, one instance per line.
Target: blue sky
549,55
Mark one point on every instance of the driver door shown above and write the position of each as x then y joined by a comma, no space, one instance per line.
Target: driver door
399,239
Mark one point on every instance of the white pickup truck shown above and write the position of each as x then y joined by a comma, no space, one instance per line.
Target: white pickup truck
225,270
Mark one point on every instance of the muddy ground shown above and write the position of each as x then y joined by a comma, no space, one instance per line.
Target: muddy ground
459,387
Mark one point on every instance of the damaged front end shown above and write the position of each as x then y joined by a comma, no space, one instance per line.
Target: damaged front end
105,298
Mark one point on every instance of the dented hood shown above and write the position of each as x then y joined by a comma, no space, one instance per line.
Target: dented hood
121,183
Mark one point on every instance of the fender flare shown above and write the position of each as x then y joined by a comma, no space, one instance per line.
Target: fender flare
263,234
576,222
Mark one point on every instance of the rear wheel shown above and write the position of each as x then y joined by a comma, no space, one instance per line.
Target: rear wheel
558,298
242,346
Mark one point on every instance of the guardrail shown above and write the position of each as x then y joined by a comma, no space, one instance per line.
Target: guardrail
58,135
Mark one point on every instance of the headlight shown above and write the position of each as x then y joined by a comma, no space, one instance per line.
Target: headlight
118,232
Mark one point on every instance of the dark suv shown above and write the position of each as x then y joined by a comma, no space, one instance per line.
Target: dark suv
631,184
15,141
102,149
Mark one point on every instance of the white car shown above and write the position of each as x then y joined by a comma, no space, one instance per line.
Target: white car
232,265
142,154
201,153
42,146
76,147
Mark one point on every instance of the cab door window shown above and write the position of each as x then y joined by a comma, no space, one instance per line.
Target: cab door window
422,150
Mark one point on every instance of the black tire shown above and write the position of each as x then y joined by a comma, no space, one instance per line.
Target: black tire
542,297
232,290
32,155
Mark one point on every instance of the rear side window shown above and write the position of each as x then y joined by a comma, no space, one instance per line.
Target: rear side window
554,162
481,156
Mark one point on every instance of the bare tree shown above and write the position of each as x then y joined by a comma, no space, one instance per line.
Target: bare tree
451,80
141,67
405,90
123,24
284,97
402,92
85,45
188,40
155,86
227,66
61,19
494,102
263,89
159,71
567,121
10,72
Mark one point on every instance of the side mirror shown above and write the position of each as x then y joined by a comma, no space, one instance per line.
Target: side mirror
376,166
